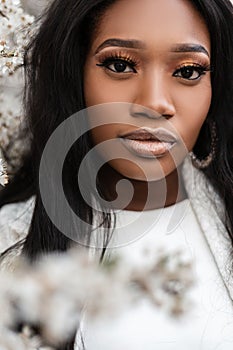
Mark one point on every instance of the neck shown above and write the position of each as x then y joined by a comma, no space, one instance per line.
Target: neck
146,195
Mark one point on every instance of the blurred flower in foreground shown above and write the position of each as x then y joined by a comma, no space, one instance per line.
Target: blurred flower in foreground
49,297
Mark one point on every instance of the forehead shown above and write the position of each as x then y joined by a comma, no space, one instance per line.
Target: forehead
156,22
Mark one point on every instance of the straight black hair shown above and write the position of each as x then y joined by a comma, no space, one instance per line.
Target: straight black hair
54,63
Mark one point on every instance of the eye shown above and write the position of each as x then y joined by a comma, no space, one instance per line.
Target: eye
118,65
191,72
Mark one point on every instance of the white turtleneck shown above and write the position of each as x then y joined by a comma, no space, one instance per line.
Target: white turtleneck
207,325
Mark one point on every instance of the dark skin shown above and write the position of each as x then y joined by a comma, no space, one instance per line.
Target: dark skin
169,76
145,193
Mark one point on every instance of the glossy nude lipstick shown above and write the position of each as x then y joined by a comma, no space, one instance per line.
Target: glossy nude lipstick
148,142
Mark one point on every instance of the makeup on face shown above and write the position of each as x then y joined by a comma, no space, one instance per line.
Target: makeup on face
157,55
191,64
149,143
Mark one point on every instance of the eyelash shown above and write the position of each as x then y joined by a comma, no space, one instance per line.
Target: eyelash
133,63
106,61
199,68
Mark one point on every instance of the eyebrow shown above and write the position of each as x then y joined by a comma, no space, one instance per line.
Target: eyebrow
190,48
131,44
137,44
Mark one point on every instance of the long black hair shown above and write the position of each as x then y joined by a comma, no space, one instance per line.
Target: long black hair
54,63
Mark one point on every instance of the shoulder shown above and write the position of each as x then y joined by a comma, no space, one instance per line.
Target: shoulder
10,258
15,220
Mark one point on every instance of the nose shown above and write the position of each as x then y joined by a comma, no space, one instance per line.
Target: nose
153,98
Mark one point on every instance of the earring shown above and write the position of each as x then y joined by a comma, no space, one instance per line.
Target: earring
3,173
204,163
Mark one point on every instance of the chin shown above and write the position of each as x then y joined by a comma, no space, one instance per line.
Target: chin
149,173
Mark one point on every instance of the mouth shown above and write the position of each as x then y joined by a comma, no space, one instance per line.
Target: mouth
148,142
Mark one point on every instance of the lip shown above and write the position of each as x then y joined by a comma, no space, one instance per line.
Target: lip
157,134
148,142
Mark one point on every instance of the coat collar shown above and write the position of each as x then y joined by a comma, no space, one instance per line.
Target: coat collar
209,210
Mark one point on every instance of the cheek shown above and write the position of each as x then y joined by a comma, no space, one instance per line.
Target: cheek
103,133
192,111
101,88
96,89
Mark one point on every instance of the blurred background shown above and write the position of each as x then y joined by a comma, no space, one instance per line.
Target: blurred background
17,25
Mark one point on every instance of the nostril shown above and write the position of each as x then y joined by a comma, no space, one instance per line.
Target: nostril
146,115
167,116
140,114
142,111
151,115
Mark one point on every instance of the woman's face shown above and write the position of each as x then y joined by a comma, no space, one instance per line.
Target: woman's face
155,56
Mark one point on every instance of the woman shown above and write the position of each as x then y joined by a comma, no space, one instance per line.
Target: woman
170,64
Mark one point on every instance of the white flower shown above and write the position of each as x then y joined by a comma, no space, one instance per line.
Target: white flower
16,29
9,340
14,34
55,292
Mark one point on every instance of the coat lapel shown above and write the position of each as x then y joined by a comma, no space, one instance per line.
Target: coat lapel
209,210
